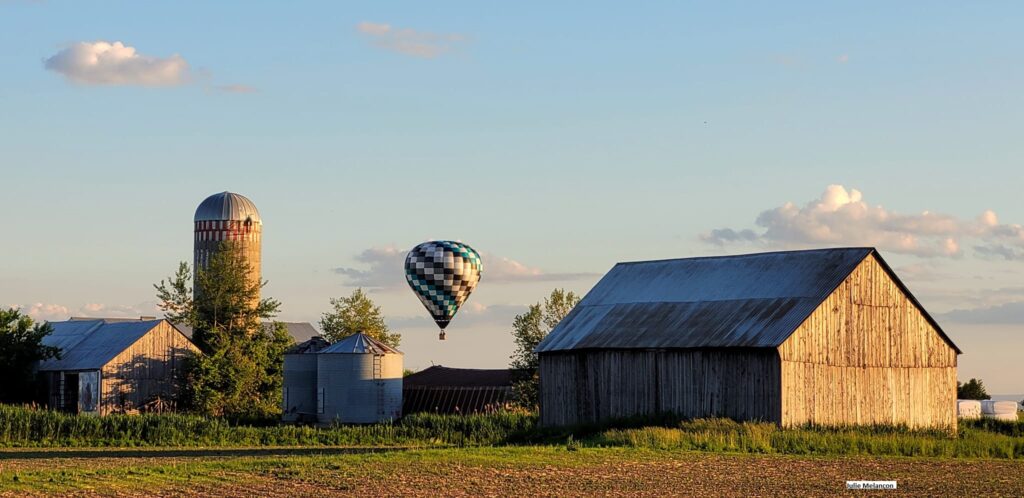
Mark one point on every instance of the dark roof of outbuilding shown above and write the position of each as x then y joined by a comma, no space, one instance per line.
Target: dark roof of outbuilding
439,376
752,300
91,344
313,345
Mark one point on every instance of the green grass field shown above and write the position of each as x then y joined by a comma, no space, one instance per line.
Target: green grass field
50,453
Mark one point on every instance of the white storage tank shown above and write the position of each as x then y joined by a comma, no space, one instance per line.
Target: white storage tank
298,399
359,381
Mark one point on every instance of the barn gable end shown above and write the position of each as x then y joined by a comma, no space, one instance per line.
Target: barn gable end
868,354
145,369
825,336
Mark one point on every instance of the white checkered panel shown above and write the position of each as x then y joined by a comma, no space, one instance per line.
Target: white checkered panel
443,274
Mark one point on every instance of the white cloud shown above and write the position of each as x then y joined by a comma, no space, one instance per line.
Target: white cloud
97,310
58,312
1011,313
114,63
45,311
471,315
384,268
842,217
409,41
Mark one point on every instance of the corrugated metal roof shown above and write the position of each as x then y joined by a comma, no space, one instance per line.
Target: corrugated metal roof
359,344
90,344
300,331
227,206
313,345
440,376
753,300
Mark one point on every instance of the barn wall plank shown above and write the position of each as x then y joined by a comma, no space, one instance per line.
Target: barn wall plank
590,386
868,355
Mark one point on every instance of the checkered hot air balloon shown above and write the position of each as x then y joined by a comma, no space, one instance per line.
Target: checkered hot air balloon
443,273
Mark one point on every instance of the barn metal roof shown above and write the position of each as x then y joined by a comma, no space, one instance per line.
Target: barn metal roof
313,345
91,344
359,344
227,206
441,376
752,300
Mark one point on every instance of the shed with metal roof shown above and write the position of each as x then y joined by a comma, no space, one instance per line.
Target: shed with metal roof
441,389
116,365
826,336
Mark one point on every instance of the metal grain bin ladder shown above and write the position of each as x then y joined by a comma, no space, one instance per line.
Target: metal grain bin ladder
377,376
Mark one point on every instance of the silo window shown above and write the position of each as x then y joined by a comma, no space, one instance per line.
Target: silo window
286,407
320,394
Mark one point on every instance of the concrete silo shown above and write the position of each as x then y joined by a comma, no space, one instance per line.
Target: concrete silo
299,394
223,217
359,380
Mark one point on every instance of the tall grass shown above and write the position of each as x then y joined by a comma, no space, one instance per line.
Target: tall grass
720,435
975,439
33,427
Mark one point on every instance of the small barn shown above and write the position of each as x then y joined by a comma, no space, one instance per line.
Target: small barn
827,337
440,389
114,366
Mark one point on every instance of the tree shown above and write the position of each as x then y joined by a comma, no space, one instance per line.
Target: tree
528,330
21,346
973,389
356,313
239,373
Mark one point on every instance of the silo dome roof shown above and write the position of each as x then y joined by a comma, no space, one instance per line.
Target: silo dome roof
359,343
227,206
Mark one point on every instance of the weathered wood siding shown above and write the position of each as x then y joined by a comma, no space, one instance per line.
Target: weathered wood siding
588,386
147,368
867,355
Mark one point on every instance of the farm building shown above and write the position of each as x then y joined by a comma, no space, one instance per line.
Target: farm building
355,380
441,389
112,366
829,337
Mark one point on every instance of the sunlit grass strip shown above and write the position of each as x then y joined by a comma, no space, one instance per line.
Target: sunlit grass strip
26,427
720,435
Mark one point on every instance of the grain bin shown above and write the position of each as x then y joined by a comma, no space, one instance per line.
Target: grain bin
299,394
359,380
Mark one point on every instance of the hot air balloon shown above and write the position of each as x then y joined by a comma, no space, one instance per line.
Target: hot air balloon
443,273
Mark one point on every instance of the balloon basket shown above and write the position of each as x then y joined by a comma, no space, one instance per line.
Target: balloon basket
440,336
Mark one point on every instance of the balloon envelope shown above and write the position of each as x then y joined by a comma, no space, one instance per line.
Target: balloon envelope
443,273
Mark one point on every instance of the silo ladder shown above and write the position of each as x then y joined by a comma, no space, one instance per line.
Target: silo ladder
377,375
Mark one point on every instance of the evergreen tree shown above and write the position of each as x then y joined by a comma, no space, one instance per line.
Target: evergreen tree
528,330
973,389
21,346
356,313
239,373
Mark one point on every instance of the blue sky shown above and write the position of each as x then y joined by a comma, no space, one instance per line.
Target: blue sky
555,139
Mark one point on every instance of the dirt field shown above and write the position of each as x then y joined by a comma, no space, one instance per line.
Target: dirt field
519,471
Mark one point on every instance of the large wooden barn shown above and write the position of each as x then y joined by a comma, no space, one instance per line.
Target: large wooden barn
828,337
114,365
